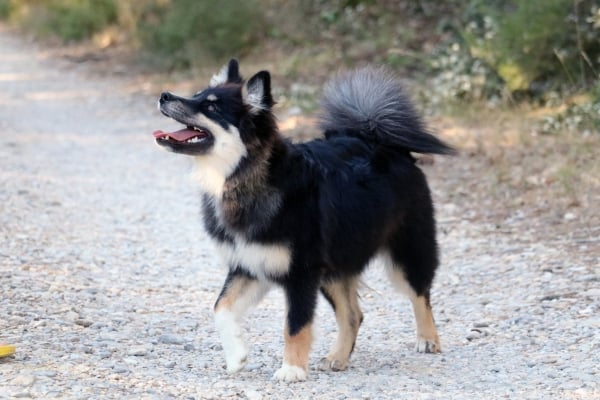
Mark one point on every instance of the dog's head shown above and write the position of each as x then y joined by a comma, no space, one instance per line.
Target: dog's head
225,118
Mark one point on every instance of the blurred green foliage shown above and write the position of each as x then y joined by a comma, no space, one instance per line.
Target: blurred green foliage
184,31
5,9
536,44
71,20
79,19
471,50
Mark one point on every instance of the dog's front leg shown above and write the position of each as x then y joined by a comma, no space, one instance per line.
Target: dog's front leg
301,303
240,293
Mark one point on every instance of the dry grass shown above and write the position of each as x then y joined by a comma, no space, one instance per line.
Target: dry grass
515,178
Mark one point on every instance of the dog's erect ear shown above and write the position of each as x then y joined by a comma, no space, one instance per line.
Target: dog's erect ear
230,73
257,93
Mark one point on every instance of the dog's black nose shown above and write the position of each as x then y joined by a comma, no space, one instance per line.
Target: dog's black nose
165,96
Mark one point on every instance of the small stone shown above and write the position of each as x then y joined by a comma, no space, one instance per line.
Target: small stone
189,347
170,339
104,354
476,334
119,369
72,316
130,360
253,395
23,380
547,359
84,322
99,325
251,367
138,351
45,373
170,364
569,216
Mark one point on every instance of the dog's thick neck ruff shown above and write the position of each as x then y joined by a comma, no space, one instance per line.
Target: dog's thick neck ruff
226,125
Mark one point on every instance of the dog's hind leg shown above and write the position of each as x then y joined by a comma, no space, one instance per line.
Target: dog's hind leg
240,293
343,297
428,340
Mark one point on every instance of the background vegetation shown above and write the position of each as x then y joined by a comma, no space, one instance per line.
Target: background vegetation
485,51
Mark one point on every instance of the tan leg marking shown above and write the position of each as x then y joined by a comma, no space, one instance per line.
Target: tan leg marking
428,340
297,347
344,295
234,292
295,356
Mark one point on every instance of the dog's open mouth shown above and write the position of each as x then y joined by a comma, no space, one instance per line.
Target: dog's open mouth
189,135
190,140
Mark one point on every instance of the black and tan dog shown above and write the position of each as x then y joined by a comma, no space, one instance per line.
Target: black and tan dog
310,217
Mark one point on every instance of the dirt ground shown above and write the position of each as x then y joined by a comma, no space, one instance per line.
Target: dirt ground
107,279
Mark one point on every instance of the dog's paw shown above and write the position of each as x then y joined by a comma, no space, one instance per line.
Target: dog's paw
332,364
428,345
236,364
290,373
236,357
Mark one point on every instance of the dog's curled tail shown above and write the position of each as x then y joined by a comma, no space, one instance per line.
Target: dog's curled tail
369,103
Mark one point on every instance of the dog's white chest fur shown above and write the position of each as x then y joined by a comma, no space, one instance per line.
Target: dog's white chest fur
261,260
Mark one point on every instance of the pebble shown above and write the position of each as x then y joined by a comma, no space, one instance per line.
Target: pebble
547,359
170,339
253,395
139,351
189,347
476,334
23,395
132,360
102,354
252,367
120,369
23,380
84,322
45,373
569,216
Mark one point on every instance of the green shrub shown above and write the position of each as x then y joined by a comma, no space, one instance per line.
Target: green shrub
535,44
183,31
67,19
5,9
80,19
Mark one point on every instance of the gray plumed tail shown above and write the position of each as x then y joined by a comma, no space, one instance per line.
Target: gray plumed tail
369,103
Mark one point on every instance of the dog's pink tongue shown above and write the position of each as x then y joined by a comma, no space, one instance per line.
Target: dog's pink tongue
181,135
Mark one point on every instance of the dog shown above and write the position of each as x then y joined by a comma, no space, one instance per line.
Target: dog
310,217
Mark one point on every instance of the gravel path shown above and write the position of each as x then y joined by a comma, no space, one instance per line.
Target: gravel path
107,280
